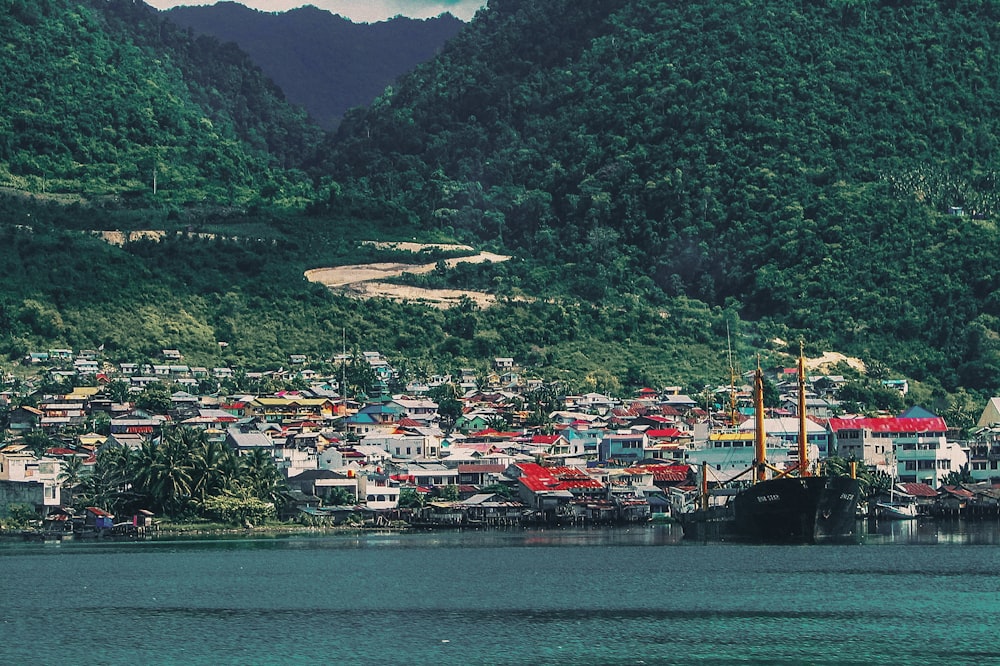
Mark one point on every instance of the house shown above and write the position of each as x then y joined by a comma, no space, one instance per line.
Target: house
85,366
97,520
136,426
20,465
626,446
171,355
553,446
440,514
923,494
419,410
323,483
984,452
908,449
287,409
24,418
900,385
131,441
549,491
373,418
953,500
501,364
476,420
381,493
184,404
491,509
243,439
429,474
815,406
990,415
403,445
479,474
590,403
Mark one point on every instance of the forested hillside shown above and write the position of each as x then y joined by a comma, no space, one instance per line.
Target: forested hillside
98,95
662,172
795,160
322,62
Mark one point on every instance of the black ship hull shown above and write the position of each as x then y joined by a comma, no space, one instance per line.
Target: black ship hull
812,509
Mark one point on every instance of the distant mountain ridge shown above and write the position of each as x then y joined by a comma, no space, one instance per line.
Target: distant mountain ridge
323,62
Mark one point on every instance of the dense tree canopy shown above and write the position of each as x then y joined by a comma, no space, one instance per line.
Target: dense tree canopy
104,97
796,159
660,170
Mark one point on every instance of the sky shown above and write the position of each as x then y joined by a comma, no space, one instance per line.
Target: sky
359,11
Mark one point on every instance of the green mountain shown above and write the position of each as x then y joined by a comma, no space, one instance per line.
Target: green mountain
662,173
794,161
323,62
98,95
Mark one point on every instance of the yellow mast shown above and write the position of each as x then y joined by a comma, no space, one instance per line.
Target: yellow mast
704,486
760,450
803,445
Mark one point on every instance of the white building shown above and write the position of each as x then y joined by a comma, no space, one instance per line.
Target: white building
18,464
912,450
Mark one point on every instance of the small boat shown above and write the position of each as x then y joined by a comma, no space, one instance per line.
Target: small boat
784,508
896,509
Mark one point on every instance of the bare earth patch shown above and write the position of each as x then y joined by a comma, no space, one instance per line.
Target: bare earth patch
365,280
830,359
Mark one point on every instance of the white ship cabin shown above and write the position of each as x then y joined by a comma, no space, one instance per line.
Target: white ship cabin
729,454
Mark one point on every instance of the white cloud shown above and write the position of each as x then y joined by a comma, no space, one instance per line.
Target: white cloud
359,11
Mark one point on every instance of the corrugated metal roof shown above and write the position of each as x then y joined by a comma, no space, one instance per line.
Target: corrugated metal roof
901,425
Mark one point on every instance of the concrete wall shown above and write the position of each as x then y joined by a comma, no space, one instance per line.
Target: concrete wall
31,493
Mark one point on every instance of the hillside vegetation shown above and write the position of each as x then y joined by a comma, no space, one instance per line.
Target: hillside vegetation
663,174
98,95
794,160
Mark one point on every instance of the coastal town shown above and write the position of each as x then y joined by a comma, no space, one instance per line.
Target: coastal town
463,450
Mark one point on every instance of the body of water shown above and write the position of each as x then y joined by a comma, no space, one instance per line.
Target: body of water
909,593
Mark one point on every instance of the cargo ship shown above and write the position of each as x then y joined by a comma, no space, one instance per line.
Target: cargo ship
780,505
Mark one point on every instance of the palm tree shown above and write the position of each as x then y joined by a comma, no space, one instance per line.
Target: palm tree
144,466
118,391
96,490
70,474
38,442
114,471
261,475
170,476
209,474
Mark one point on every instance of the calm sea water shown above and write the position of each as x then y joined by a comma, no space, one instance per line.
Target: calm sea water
908,594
